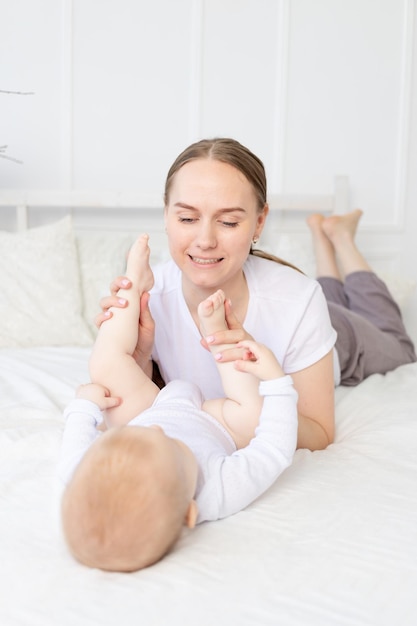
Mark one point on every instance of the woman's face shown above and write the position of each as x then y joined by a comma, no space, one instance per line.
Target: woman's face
211,219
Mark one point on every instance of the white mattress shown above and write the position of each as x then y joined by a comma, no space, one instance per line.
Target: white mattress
334,541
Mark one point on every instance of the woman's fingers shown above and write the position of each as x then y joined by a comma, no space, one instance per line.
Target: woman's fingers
101,317
227,337
234,334
106,303
146,335
121,282
231,320
231,354
146,319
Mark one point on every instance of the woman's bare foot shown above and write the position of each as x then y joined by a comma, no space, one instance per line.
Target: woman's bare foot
339,228
315,222
334,244
340,231
138,269
324,252
211,314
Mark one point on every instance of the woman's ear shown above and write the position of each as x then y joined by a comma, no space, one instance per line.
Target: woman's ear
261,220
191,514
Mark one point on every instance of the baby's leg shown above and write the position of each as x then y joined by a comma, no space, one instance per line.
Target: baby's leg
111,362
239,411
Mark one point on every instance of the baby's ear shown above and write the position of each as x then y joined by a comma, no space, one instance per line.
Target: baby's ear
191,514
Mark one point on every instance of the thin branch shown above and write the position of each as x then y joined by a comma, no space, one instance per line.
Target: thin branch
19,93
5,156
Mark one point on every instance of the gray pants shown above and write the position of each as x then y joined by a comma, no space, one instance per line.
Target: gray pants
371,337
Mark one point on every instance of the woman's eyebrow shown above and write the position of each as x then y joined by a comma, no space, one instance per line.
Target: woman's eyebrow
183,205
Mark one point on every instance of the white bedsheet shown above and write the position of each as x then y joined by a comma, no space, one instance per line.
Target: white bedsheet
333,542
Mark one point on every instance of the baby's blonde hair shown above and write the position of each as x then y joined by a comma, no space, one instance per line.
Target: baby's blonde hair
121,511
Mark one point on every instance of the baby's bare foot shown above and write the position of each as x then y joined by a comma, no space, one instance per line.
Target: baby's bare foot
211,314
138,269
338,227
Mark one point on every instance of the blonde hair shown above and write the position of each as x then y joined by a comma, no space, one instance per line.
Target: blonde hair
121,512
233,153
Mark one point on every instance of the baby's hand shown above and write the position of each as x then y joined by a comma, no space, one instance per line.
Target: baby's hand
259,361
98,394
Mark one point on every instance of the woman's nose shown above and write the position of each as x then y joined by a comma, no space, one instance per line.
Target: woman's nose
206,237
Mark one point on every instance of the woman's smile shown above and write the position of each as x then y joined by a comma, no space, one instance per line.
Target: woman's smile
205,261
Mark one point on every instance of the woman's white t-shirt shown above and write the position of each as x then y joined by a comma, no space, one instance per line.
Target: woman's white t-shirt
287,312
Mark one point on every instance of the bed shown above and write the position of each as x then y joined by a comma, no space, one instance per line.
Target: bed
333,542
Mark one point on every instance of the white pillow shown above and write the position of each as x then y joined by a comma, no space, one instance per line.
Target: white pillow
40,301
400,287
102,258
296,250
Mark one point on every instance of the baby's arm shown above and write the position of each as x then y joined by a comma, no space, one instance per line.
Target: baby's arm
82,417
242,477
81,420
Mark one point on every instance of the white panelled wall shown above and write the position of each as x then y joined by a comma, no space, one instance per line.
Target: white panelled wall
315,88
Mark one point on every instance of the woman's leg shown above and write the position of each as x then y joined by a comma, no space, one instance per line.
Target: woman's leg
327,269
371,334
336,252
365,293
364,349
324,252
340,230
362,291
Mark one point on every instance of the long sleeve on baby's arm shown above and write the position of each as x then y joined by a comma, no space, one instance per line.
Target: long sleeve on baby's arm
81,420
243,476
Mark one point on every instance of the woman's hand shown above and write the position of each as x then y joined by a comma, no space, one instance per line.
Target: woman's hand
121,282
146,332
228,338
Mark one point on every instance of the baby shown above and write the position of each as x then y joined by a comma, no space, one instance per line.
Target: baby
166,458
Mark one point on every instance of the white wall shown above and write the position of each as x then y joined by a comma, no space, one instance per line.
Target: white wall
316,88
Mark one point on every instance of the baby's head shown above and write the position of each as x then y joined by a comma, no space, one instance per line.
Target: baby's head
129,499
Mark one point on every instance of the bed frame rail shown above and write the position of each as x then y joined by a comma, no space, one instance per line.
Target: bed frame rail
113,203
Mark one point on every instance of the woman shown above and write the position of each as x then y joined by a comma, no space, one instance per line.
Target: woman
215,209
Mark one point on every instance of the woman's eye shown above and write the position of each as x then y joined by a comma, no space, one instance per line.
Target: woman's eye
186,220
230,224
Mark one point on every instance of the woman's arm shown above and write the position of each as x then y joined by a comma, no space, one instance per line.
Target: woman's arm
315,386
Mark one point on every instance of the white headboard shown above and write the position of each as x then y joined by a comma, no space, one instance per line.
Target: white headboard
134,212
115,206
